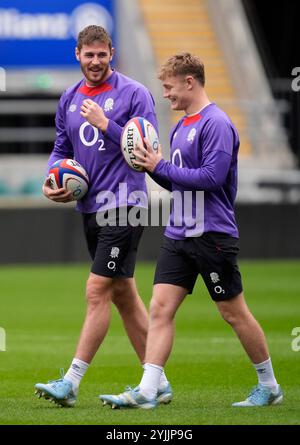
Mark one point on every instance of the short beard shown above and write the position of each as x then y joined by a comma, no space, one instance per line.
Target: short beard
93,82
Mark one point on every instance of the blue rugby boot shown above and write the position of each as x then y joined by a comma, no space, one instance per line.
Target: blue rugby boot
58,391
261,396
131,398
165,395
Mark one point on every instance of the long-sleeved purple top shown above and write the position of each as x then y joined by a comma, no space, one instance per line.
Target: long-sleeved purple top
121,99
203,174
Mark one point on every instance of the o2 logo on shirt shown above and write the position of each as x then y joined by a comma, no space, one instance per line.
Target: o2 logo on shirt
94,139
177,158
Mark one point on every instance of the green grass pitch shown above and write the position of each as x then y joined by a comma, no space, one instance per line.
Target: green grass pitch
42,309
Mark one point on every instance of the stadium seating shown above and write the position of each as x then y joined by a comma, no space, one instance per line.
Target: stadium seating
176,26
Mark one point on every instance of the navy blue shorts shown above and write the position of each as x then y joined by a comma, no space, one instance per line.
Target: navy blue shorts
213,256
113,249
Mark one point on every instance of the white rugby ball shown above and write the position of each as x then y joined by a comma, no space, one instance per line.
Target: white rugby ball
69,174
135,131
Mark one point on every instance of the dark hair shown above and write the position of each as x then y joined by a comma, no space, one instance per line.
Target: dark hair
92,33
181,65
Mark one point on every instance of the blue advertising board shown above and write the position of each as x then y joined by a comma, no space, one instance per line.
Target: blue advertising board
36,33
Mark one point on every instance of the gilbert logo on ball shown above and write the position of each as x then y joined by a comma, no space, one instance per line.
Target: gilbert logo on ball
134,132
69,174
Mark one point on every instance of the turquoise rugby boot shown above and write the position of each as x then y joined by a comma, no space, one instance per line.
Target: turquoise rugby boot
165,395
261,396
131,398
58,391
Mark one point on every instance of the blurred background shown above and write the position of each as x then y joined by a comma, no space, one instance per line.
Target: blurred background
251,52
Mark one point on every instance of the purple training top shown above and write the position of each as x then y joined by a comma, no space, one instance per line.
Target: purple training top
121,99
203,174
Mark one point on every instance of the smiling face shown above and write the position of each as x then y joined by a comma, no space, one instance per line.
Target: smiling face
183,79
177,90
95,61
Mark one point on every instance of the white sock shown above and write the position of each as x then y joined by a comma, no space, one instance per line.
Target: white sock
266,375
163,379
75,373
150,381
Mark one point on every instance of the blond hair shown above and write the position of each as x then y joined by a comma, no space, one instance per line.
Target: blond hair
183,64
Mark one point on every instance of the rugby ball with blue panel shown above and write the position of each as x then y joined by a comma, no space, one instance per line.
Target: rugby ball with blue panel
134,132
69,174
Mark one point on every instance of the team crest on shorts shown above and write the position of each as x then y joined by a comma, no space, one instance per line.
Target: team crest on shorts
214,277
114,252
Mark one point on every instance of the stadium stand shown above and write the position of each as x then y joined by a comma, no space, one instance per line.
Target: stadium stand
176,26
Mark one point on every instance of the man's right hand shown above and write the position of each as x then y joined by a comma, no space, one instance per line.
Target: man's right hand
58,195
